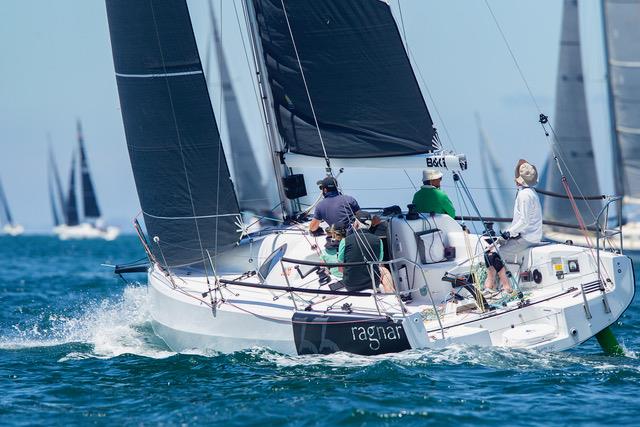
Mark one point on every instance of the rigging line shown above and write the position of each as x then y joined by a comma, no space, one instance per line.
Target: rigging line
513,56
306,87
410,180
175,124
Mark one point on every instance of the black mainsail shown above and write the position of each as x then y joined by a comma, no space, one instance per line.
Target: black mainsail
184,186
251,191
71,204
573,141
89,201
348,59
622,37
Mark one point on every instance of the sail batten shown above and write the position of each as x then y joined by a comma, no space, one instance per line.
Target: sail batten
178,162
341,65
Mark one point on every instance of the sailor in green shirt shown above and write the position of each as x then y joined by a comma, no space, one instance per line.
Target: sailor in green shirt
430,198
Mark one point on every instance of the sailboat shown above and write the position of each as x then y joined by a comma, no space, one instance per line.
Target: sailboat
573,151
9,227
91,226
323,69
622,55
252,193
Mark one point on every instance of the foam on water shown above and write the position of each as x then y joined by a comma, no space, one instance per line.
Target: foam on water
111,327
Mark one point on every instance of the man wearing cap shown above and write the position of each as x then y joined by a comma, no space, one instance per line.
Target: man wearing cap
335,209
525,229
430,198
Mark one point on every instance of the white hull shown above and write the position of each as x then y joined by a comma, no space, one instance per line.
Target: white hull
85,231
13,229
552,316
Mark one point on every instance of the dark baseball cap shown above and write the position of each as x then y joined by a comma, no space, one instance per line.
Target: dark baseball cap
329,183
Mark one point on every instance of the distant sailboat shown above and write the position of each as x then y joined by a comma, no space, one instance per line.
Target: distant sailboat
621,21
8,225
249,184
573,142
56,196
91,226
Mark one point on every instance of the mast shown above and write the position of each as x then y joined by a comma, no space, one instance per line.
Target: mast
89,201
71,206
55,187
492,175
276,147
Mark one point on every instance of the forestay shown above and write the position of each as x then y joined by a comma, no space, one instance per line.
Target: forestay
622,33
181,173
573,142
341,64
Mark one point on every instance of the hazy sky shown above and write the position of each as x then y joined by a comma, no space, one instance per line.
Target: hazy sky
56,66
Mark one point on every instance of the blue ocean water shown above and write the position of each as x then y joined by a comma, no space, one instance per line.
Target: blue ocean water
76,348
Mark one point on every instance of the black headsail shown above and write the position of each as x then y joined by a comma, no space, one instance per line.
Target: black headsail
252,193
89,201
349,59
71,204
181,173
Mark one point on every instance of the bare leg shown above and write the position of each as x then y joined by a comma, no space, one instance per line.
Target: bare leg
504,280
387,280
490,281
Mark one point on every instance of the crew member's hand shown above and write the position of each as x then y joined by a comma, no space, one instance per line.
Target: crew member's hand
505,235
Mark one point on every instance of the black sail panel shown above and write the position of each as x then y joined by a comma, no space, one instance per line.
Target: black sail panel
366,99
71,204
89,201
181,174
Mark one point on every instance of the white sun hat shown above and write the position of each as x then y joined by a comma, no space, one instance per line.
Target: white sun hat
430,174
527,175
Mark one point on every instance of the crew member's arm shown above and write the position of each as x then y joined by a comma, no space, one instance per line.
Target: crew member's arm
519,216
447,207
318,217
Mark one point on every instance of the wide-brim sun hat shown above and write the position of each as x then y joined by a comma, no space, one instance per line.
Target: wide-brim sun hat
431,174
526,174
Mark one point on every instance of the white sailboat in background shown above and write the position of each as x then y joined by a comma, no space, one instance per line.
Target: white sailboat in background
323,69
69,225
622,55
573,148
9,227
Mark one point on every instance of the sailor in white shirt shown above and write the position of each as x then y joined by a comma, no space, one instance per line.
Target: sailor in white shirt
525,229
